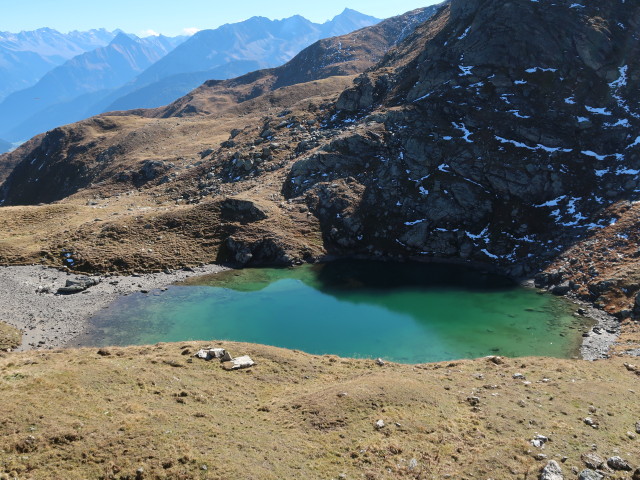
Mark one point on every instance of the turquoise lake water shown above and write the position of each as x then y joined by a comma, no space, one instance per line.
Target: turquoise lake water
410,313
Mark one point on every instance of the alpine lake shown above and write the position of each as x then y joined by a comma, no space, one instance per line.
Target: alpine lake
401,312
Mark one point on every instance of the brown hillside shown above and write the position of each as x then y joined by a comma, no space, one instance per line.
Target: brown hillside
152,412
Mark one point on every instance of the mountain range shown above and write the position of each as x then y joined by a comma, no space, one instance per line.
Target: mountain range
63,94
227,52
140,73
26,56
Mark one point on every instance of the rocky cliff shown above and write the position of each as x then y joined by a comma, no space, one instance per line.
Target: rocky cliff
502,141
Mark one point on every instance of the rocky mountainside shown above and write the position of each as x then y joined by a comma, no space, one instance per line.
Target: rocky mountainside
498,141
49,102
500,134
226,52
26,56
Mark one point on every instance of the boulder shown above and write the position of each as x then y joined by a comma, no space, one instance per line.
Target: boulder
78,285
551,471
241,362
211,353
561,289
592,460
590,475
617,463
240,210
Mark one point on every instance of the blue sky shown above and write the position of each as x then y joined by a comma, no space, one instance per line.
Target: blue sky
174,17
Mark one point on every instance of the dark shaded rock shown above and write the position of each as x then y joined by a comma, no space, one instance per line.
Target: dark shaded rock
617,463
243,211
265,251
78,285
150,170
561,289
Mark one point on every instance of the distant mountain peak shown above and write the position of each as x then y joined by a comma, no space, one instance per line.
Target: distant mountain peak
349,13
124,39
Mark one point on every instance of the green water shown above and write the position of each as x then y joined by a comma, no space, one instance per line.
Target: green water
409,313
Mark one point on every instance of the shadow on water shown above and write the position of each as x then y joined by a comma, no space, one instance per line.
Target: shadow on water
405,312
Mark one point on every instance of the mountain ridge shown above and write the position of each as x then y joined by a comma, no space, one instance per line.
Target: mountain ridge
228,52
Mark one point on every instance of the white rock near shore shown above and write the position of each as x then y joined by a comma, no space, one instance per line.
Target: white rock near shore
29,303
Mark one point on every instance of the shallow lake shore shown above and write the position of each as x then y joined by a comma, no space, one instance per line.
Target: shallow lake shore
48,320
29,301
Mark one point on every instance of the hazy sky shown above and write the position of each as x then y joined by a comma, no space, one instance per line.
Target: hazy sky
174,17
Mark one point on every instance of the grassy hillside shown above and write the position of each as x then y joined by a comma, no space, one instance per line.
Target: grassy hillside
9,337
153,412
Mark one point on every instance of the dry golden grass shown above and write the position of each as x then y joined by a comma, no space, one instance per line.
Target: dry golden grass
10,337
75,414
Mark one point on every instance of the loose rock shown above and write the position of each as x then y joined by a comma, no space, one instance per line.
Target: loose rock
539,441
590,475
551,471
241,362
592,460
617,463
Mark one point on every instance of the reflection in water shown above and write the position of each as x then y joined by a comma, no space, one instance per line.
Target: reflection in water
403,312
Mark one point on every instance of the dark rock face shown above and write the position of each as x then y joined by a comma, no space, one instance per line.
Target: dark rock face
500,141
263,251
238,210
49,172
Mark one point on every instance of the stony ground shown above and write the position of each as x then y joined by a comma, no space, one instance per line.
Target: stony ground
156,412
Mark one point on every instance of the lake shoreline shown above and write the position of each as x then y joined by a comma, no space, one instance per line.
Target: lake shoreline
50,321
47,320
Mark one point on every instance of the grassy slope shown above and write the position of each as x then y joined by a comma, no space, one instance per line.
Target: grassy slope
10,337
76,414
